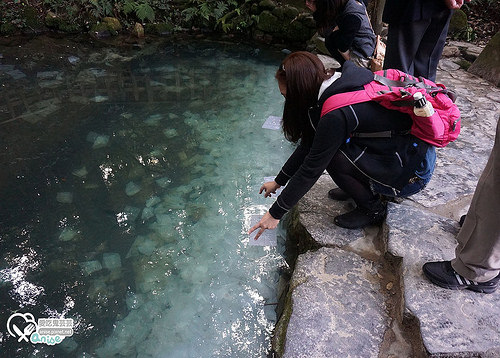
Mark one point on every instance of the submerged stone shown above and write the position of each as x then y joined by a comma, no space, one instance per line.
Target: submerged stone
89,267
16,74
73,60
146,246
64,197
41,110
100,142
147,213
170,133
132,188
111,261
82,172
97,140
134,300
67,234
163,182
99,99
46,75
153,120
68,345
153,201
131,213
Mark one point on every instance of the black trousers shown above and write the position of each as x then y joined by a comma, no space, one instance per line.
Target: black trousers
415,47
353,182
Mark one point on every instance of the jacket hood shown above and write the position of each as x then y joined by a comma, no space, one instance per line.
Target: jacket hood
353,78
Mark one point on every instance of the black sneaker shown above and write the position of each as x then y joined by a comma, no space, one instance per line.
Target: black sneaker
360,218
442,274
338,194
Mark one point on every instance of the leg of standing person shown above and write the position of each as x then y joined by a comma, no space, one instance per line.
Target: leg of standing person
403,40
431,46
477,257
478,250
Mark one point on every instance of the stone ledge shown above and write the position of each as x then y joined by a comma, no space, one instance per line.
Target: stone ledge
452,323
316,213
338,310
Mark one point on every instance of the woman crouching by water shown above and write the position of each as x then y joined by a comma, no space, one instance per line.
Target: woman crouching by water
362,167
346,28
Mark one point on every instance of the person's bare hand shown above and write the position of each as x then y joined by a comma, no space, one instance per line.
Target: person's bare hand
265,223
270,188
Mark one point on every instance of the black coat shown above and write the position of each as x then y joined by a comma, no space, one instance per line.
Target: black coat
389,161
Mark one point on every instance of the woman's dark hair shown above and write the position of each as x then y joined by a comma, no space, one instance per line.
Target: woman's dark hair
302,73
327,12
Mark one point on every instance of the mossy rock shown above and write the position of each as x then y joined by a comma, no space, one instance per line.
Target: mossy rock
285,12
464,64
267,5
487,64
308,21
458,22
319,45
100,30
254,9
298,32
159,29
269,23
298,4
55,22
71,28
31,18
290,12
7,29
51,20
113,24
99,27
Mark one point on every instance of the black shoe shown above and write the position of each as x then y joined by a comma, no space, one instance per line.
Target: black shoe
359,218
338,194
442,274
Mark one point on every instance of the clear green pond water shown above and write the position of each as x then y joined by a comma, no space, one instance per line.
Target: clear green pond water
128,184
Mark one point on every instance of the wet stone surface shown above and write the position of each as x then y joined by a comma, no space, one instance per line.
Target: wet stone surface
338,310
450,321
317,212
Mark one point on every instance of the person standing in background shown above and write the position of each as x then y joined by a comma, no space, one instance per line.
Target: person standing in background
346,28
417,34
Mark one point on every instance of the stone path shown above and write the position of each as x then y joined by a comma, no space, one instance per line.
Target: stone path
363,294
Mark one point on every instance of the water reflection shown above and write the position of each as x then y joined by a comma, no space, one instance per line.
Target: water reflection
131,180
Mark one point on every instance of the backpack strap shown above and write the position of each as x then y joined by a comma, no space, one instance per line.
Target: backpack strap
383,134
407,82
343,100
388,82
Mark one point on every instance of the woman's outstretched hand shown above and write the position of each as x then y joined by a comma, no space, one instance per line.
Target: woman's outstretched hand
270,188
266,222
